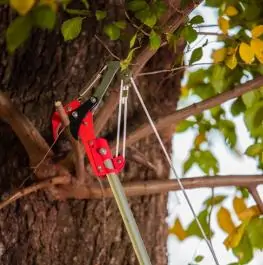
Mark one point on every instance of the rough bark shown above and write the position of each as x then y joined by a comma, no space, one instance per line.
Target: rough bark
38,230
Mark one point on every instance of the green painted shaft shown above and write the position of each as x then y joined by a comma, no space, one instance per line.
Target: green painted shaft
127,216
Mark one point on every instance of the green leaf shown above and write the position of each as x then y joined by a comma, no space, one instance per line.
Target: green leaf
159,7
218,79
227,128
255,232
207,162
254,119
188,164
217,112
196,78
184,125
112,31
237,107
125,63
18,32
194,230
44,17
121,24
244,192
189,33
214,200
155,40
204,91
197,20
244,250
250,98
252,11
4,2
213,3
199,258
133,39
254,150
147,17
137,5
197,54
78,12
86,4
71,28
100,15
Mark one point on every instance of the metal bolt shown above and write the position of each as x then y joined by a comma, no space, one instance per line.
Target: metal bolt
119,161
85,123
103,151
99,168
93,99
75,114
68,108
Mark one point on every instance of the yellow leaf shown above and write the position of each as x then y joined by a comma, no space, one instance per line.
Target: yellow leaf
239,205
234,238
246,53
219,55
223,24
231,11
199,139
184,91
257,47
231,61
225,221
22,6
250,212
257,31
178,230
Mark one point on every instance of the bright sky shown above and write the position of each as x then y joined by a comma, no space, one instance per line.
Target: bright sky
183,253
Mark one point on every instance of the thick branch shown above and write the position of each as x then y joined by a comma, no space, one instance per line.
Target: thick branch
142,188
39,186
33,142
140,61
145,130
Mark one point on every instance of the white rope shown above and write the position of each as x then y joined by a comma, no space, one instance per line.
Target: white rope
125,100
119,120
174,171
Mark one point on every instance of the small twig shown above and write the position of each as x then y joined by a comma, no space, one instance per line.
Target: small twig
209,217
254,192
45,156
211,34
77,148
139,157
206,26
172,69
135,26
107,48
39,186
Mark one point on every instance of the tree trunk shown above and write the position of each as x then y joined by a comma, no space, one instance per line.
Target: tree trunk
37,230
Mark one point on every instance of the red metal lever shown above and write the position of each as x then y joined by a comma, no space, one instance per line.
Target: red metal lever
97,149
